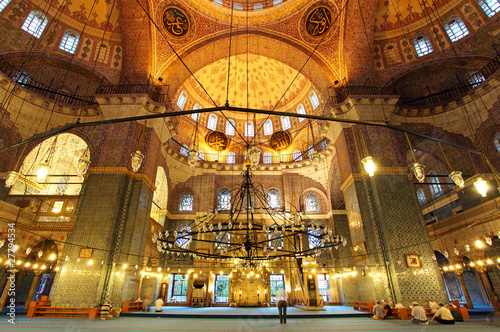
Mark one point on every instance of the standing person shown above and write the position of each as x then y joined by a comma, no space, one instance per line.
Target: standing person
419,316
281,304
146,304
378,311
158,305
457,315
387,310
106,310
443,315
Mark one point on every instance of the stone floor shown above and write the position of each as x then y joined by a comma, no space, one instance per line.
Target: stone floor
262,324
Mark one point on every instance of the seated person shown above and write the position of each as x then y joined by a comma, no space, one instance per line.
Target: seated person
158,305
419,316
443,315
387,310
106,310
457,315
378,311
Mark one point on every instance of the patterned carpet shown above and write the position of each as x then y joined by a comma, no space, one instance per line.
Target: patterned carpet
239,324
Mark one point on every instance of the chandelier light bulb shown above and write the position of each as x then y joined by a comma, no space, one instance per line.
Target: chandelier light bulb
457,178
467,247
42,172
90,262
418,170
479,244
489,240
481,186
52,256
369,165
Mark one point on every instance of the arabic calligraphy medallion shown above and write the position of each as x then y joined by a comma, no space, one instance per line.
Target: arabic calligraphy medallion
176,22
217,140
318,21
280,140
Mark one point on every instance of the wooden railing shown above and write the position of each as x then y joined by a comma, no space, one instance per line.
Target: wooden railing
363,306
126,89
341,93
42,308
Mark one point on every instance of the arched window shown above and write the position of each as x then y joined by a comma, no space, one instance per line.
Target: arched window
201,155
422,44
230,158
314,237
297,155
310,151
224,200
273,198
277,2
301,110
313,97
196,116
490,7
218,2
258,6
391,53
421,197
70,41
436,189
223,240
238,6
230,125
267,158
21,77
57,163
184,150
181,101
183,238
285,123
249,131
475,78
311,202
323,144
455,28
212,121
276,240
102,53
497,142
186,202
3,4
160,196
35,23
268,127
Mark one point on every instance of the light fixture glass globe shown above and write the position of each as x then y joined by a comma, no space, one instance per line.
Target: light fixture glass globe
254,156
418,170
457,178
193,158
369,165
479,244
137,158
481,186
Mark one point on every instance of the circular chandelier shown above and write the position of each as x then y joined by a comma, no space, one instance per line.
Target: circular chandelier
248,231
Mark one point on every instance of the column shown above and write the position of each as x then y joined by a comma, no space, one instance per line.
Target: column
34,283
460,275
489,289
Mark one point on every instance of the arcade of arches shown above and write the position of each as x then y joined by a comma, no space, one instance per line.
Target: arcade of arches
312,87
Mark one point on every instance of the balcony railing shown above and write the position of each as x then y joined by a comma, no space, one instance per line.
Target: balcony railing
126,89
44,90
48,209
343,92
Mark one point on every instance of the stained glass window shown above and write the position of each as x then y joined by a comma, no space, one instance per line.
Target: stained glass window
267,158
421,197
179,288
212,122
455,28
436,189
69,41
310,151
313,97
186,202
21,77
497,142
490,7
201,155
422,44
230,158
181,101
297,155
218,2
324,286
277,285
230,125
184,150
476,78
3,4
275,240
277,2
249,131
196,116
222,240
35,23
102,53
238,6
301,110
323,144
273,198
221,288
258,6
311,202
224,200
285,123
268,127
314,238
183,237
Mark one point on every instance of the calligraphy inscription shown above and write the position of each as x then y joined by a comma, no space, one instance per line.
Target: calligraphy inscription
217,140
319,21
280,140
176,22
